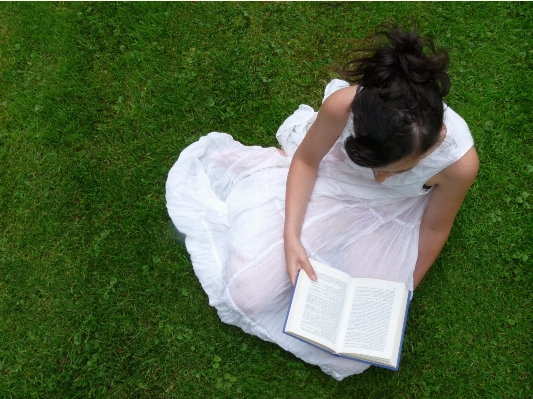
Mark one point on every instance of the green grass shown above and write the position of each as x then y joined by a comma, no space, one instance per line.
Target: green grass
97,293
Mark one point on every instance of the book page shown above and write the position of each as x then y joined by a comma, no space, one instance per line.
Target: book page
317,306
375,310
369,320
323,308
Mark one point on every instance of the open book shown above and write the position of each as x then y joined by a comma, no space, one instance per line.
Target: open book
358,318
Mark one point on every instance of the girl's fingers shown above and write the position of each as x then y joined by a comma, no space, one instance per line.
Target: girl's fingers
309,270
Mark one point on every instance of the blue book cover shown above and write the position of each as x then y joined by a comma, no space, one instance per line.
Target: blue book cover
351,357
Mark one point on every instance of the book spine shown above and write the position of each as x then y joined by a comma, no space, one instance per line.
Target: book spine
353,359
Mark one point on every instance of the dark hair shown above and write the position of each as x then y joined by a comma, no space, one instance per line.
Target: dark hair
399,112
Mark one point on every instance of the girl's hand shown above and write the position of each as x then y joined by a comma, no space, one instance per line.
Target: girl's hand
296,258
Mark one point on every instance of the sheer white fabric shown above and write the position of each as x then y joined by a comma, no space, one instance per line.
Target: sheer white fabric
228,199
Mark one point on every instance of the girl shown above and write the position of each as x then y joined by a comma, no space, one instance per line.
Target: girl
370,185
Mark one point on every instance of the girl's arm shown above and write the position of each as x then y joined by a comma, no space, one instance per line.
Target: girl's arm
328,126
448,194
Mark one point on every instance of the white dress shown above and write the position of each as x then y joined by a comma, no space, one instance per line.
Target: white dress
228,199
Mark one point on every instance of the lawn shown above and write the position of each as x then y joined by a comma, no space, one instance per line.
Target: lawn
97,294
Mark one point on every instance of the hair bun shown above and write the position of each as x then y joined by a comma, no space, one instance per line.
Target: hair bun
397,61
